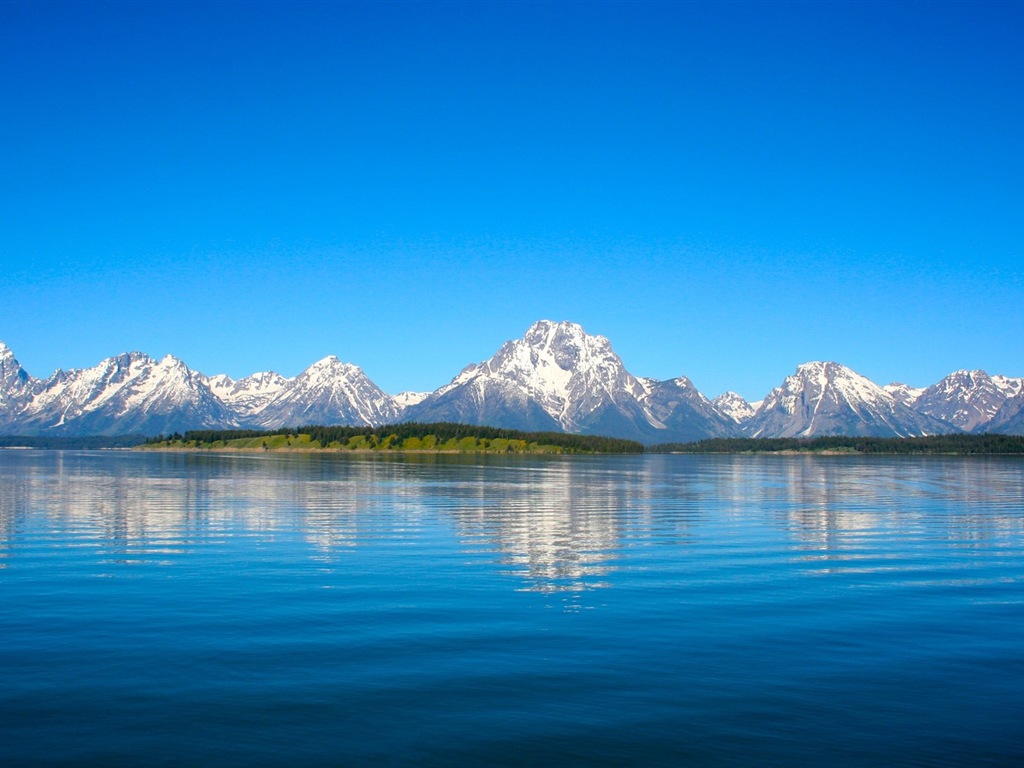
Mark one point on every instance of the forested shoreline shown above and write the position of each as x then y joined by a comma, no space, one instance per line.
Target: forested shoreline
91,443
934,445
442,437
465,438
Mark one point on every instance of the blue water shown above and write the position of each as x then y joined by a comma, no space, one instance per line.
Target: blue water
273,609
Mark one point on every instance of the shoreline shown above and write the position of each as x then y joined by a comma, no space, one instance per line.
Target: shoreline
428,452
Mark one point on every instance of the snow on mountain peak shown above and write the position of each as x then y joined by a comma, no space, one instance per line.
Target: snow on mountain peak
968,399
905,393
220,381
409,398
549,328
1012,386
567,371
327,392
8,362
14,380
734,406
826,398
556,376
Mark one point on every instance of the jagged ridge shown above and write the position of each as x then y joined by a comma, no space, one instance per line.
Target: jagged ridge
555,378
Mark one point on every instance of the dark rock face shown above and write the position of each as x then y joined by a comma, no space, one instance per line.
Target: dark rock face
686,414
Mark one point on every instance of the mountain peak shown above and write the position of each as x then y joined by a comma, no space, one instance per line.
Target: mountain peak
967,398
826,367
555,377
331,366
13,377
559,377
826,398
327,392
905,393
553,327
734,406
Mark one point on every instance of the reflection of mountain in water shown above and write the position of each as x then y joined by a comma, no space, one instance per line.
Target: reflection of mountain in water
154,506
845,509
559,524
550,526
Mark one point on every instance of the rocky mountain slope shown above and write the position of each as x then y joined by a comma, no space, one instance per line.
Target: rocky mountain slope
734,406
825,398
1009,419
128,394
133,393
328,392
556,377
968,399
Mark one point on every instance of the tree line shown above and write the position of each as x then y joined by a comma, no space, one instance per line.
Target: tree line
436,436
956,445
395,436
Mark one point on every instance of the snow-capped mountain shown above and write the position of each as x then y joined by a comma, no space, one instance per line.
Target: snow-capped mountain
1009,419
406,399
560,378
248,397
734,406
134,393
968,399
129,393
555,378
328,392
905,393
684,412
1013,386
12,376
15,384
825,398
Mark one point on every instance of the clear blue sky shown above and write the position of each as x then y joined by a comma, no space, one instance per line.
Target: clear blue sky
725,190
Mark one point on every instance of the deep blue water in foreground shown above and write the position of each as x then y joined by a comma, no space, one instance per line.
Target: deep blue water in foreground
272,609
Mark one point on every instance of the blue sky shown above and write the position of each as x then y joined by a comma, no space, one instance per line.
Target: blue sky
725,190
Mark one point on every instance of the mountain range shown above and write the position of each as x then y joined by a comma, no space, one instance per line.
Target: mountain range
556,377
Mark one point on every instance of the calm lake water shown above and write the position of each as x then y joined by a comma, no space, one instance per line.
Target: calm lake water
173,609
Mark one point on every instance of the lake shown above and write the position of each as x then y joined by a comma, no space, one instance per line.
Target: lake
272,609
